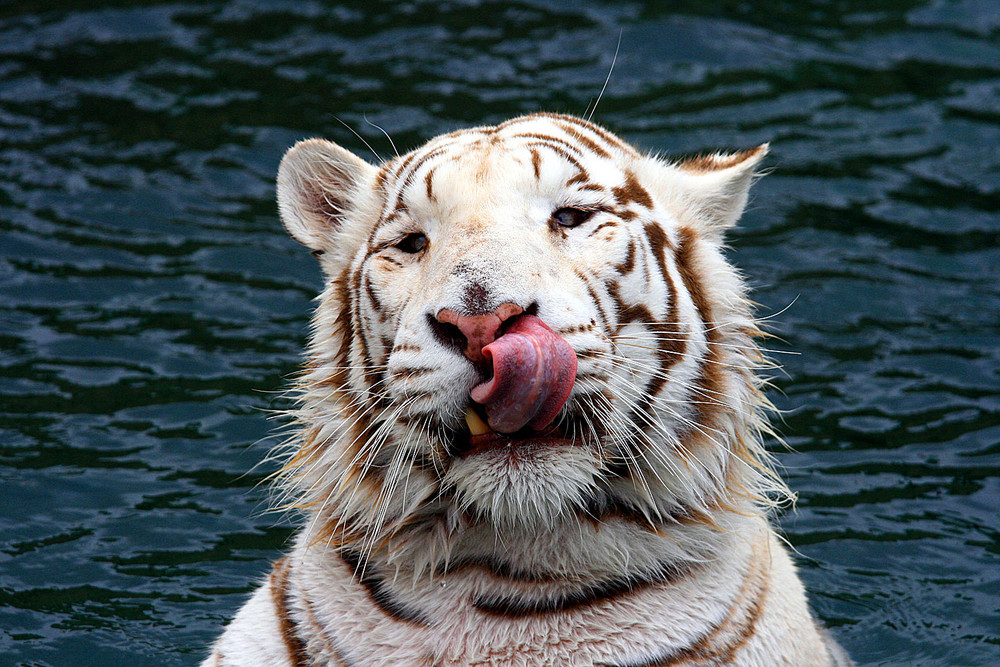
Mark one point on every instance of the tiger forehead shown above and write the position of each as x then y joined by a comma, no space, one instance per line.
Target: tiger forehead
527,141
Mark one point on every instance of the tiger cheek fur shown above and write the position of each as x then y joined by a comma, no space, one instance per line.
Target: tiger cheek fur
530,427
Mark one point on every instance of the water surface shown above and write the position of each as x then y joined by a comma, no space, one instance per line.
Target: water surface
153,308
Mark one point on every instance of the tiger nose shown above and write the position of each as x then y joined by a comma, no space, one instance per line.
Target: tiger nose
479,330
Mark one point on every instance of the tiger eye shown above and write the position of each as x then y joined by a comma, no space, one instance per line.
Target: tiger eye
571,217
412,243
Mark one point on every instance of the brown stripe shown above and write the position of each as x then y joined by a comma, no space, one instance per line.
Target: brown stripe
536,163
628,263
739,624
410,167
376,302
558,150
549,139
710,378
319,632
583,139
576,328
606,136
403,164
685,267
429,182
389,260
409,372
416,164
631,191
380,178
342,290
597,378
610,223
329,647
357,333
297,654
582,176
593,296
592,353
386,348
670,345
717,161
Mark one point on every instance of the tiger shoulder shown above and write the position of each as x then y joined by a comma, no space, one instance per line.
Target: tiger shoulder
529,430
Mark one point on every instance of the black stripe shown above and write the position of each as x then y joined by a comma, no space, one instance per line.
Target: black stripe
495,566
513,607
378,591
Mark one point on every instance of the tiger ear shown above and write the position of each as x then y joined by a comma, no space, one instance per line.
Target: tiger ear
716,186
317,183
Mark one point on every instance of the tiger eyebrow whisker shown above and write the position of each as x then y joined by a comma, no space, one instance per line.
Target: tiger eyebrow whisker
611,69
382,130
363,140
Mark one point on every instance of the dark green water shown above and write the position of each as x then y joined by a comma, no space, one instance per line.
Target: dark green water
152,307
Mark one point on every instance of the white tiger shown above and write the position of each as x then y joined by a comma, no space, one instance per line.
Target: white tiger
530,424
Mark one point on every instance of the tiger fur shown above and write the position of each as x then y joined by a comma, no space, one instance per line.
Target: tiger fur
628,530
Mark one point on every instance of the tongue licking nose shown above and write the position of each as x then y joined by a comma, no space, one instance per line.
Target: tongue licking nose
533,374
533,368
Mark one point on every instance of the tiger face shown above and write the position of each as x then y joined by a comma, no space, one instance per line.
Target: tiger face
522,324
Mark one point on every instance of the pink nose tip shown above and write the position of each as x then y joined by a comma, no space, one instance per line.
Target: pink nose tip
479,330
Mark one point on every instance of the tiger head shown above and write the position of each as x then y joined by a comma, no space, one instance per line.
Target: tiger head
522,324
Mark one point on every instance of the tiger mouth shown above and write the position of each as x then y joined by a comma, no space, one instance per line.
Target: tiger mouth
479,438
526,376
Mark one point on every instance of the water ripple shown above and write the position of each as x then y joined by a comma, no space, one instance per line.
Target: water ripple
154,309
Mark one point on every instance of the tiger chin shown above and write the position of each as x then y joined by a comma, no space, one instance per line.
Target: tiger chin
529,430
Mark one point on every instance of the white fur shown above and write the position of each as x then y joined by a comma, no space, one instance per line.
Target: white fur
662,484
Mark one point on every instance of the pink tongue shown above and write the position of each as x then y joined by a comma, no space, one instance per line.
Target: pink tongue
533,374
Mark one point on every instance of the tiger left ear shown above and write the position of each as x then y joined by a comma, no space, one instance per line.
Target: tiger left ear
318,184
715,187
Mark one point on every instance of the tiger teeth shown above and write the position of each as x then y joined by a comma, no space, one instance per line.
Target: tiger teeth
475,423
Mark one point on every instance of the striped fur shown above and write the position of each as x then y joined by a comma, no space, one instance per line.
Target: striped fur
632,534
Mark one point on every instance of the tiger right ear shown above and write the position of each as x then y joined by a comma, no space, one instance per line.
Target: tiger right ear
317,182
715,187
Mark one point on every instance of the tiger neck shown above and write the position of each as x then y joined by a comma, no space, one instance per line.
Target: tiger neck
569,553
